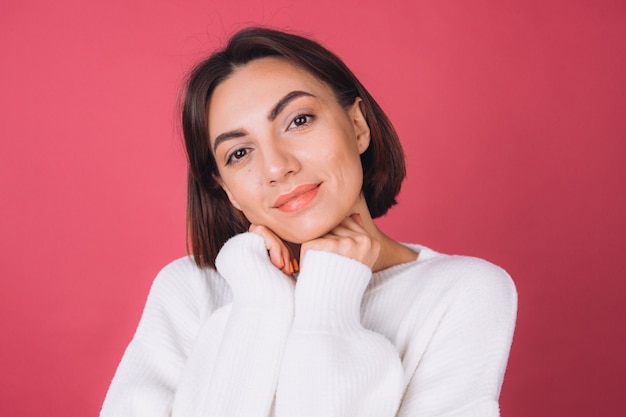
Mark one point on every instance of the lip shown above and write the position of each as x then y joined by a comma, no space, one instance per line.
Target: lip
297,198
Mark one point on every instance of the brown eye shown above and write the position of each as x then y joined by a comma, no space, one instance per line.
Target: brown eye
238,155
301,120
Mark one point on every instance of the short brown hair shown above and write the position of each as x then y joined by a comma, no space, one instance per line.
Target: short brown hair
211,218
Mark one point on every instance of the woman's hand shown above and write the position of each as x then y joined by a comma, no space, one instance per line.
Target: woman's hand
280,254
349,239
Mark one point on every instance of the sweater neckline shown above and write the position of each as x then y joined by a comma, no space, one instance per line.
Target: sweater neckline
423,254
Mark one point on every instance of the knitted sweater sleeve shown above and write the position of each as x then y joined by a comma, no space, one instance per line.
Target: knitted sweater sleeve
245,372
332,365
240,358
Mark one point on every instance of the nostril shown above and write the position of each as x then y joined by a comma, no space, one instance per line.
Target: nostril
279,164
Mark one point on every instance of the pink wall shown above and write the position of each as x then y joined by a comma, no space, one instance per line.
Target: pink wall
512,115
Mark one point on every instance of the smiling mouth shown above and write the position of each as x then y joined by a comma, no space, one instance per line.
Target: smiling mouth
296,199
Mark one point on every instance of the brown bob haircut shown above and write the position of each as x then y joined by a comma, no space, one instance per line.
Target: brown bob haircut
211,218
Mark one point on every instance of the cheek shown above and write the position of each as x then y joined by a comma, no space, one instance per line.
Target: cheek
250,198
240,191
346,161
334,152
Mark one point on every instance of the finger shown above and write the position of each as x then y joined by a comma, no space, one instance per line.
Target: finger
348,228
340,232
357,218
347,239
288,260
354,222
279,253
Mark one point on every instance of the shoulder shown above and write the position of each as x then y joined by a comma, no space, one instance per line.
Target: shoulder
438,281
458,272
182,281
458,334
470,272
472,285
184,267
450,297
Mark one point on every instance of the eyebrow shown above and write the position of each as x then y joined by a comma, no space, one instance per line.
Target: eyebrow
278,107
226,136
282,103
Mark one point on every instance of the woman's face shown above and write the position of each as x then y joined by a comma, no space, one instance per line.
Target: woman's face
287,152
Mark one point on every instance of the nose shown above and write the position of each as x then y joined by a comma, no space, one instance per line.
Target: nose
279,162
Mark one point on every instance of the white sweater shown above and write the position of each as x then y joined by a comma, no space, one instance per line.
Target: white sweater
426,338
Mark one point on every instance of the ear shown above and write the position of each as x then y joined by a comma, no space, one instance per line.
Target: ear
227,191
361,128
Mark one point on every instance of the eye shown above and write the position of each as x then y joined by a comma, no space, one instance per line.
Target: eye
301,120
237,155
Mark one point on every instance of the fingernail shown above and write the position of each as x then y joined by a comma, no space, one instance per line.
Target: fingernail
295,265
291,266
282,263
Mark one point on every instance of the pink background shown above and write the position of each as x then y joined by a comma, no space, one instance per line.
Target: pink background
512,115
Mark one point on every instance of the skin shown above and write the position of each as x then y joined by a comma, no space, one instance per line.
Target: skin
273,128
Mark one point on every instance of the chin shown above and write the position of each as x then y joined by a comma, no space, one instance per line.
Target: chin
308,232
300,237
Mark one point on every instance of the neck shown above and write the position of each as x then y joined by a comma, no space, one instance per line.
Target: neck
392,253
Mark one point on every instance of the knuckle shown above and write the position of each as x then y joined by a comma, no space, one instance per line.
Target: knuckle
363,240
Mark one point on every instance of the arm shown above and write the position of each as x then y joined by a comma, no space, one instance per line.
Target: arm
240,342
146,379
244,377
461,371
332,365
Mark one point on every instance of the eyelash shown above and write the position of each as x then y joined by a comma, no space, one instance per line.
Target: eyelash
232,159
308,117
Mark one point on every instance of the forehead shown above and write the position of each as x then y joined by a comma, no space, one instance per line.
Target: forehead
258,85
267,73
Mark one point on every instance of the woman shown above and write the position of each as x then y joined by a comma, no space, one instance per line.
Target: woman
295,303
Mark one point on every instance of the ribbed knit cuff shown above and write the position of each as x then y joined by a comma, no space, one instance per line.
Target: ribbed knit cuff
244,263
329,291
